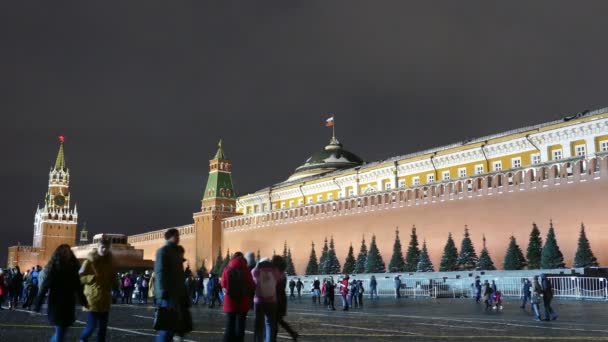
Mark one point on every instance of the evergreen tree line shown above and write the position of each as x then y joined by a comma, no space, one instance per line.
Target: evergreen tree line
416,259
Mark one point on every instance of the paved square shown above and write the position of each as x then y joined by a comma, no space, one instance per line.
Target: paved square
386,319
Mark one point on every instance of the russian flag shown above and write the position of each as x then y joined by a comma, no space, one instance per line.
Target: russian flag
329,122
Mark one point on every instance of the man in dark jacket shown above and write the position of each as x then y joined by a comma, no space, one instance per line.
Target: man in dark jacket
547,297
169,285
299,286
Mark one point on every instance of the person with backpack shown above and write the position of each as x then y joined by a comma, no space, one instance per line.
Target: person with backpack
266,278
238,286
373,287
98,277
292,287
127,289
547,288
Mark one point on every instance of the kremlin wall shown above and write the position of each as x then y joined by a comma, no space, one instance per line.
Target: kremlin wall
497,185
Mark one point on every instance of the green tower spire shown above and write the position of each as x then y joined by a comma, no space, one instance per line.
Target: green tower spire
219,183
219,155
60,161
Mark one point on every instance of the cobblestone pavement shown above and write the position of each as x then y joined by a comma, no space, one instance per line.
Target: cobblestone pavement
384,319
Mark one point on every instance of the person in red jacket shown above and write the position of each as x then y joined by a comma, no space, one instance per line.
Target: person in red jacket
344,292
237,284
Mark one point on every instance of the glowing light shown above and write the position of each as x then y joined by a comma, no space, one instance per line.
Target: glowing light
61,138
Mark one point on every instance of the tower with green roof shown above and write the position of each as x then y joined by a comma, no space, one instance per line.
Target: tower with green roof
218,203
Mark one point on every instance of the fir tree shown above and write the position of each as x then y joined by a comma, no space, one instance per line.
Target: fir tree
290,270
225,262
285,250
535,248
313,266
514,258
485,261
219,261
551,257
361,258
449,259
324,258
332,265
467,259
413,253
424,261
396,264
374,262
584,256
349,263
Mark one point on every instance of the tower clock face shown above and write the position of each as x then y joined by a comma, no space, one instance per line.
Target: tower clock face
59,200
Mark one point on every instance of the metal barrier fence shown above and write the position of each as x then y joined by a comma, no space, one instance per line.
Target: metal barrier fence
563,287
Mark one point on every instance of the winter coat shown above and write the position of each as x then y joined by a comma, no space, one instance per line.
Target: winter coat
373,283
3,287
169,275
487,292
299,285
537,292
15,285
281,298
263,274
330,289
63,286
397,283
98,277
243,304
547,288
151,284
344,286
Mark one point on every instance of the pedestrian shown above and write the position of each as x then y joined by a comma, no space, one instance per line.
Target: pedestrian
360,291
292,287
373,287
31,287
266,278
211,289
279,262
344,292
127,289
145,287
3,288
15,288
477,289
316,291
537,293
152,292
398,286
487,295
498,301
525,293
238,287
330,293
353,299
173,315
63,285
299,286
547,298
494,289
98,277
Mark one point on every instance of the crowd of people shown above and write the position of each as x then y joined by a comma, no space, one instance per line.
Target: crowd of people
244,285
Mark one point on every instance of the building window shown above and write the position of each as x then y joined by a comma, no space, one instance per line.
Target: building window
351,192
497,166
402,183
581,150
330,197
309,200
387,185
536,158
300,201
557,154
430,178
340,194
320,198
282,205
478,169
462,172
604,146
291,204
515,163
445,175
416,180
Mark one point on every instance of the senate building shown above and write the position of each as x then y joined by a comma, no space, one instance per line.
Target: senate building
497,185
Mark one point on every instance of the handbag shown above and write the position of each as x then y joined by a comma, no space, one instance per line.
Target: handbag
165,319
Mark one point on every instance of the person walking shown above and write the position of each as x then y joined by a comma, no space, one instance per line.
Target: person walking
398,287
292,287
63,285
266,278
477,290
299,287
344,292
353,299
360,292
537,293
316,291
279,262
525,293
487,295
31,287
238,286
330,293
211,290
171,295
373,287
98,277
145,287
3,288
547,288
15,288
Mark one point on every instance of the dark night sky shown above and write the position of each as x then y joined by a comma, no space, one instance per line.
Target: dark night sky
143,93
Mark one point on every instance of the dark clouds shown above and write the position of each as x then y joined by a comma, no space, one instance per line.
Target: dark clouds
143,92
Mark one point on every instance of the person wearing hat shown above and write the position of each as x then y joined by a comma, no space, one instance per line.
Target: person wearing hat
98,277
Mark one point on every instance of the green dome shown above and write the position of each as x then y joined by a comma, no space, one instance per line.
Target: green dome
333,157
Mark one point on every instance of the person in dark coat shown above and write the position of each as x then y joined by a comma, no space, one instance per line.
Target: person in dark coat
169,286
330,293
63,285
547,297
15,288
279,262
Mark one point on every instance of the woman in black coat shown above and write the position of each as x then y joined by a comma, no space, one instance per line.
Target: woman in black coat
63,283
